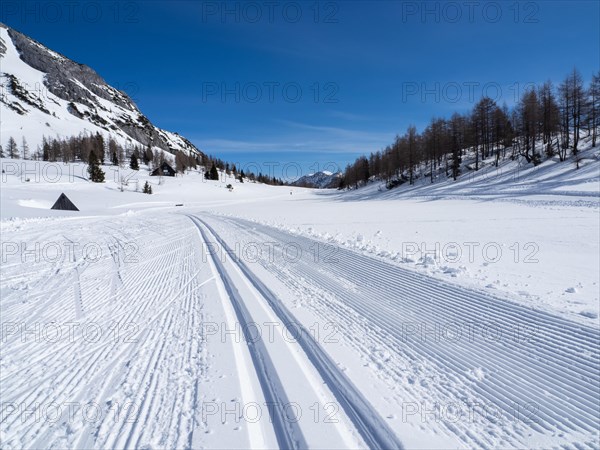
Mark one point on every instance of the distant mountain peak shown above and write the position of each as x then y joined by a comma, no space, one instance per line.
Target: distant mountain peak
319,180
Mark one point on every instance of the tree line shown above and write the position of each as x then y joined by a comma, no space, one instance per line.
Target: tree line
217,164
546,122
97,150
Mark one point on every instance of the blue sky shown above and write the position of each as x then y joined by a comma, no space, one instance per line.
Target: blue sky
313,84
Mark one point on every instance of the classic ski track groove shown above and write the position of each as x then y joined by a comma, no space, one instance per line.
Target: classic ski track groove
368,423
289,434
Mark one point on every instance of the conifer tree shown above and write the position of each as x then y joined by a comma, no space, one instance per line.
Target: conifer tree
113,149
214,173
13,151
45,150
133,164
94,170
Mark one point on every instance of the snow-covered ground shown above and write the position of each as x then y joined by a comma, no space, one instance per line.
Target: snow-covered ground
530,235
457,315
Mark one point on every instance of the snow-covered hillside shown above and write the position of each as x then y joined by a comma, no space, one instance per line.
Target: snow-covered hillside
511,179
43,93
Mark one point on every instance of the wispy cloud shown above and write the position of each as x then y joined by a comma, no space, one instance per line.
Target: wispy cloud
301,137
349,116
346,134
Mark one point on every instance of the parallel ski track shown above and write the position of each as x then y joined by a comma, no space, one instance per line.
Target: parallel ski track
289,434
372,428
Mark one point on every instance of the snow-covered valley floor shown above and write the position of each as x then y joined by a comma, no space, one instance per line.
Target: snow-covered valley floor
285,317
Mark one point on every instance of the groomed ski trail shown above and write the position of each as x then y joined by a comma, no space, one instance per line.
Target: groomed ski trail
539,374
367,422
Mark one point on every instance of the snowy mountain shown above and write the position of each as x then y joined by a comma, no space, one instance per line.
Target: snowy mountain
319,180
43,93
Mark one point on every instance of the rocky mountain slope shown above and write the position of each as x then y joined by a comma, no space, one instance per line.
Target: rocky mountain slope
43,93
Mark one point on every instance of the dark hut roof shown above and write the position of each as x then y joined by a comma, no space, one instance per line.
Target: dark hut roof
63,203
164,169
